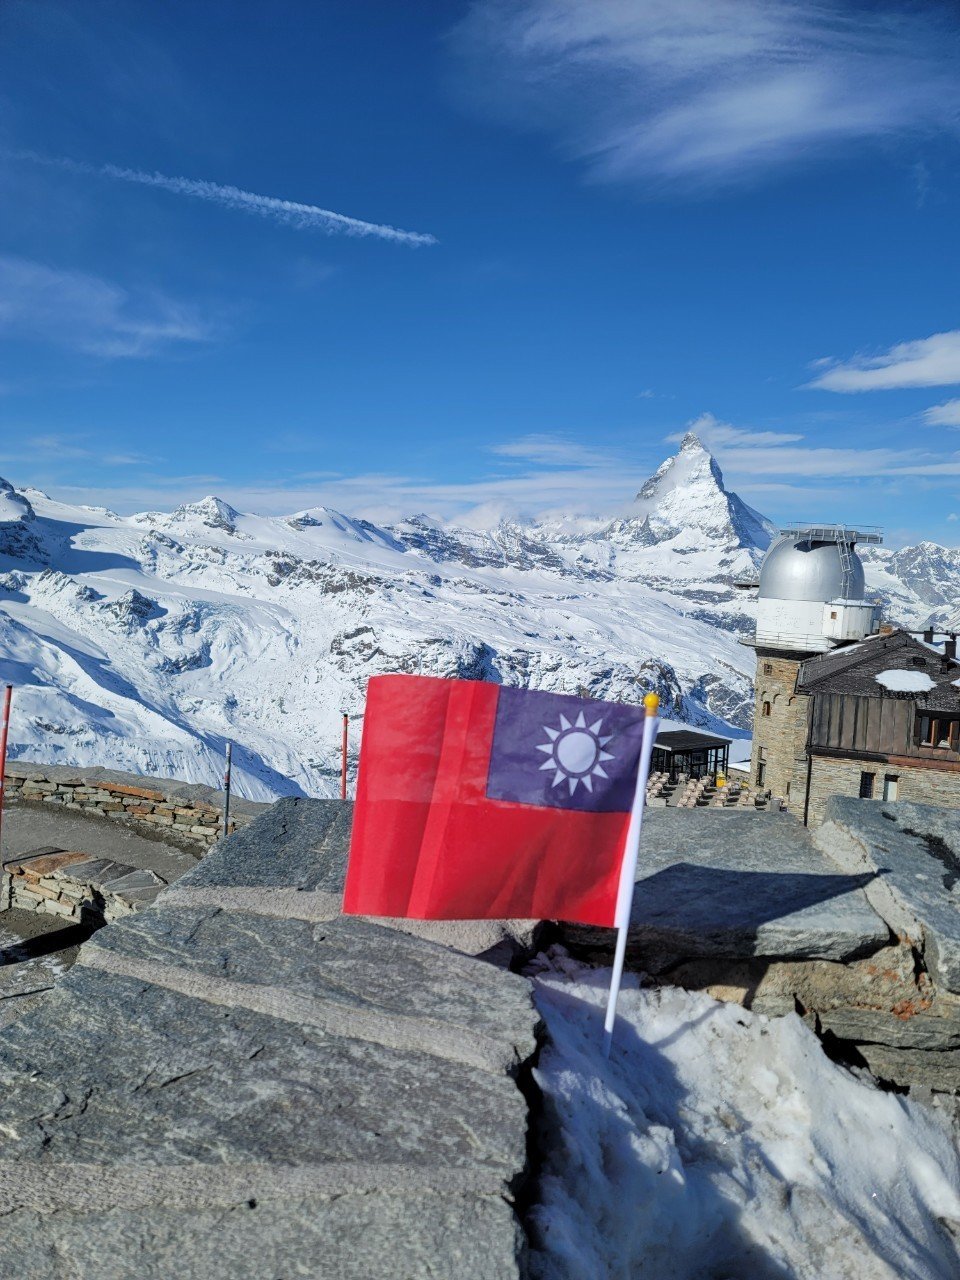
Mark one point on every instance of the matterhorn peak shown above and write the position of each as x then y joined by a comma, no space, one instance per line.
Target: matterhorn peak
691,443
687,492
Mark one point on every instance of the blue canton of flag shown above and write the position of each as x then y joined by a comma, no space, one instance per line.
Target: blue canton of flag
563,752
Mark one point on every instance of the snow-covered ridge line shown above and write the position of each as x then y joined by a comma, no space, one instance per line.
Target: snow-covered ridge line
147,642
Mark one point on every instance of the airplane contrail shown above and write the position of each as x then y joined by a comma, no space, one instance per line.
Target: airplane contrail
291,213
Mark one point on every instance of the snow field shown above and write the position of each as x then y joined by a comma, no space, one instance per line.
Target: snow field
717,1144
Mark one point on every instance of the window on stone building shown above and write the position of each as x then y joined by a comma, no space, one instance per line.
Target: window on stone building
866,786
936,731
765,710
891,786
761,773
919,661
768,668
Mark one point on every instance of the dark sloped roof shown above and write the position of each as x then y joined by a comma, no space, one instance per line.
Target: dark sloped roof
853,670
688,740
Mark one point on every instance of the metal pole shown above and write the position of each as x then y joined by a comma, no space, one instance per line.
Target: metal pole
628,866
226,792
343,757
3,749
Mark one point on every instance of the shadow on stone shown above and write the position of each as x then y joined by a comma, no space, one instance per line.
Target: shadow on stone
714,900
45,944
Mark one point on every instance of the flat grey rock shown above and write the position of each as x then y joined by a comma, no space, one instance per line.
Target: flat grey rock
353,963
923,1030
729,885
299,844
909,1067
132,880
215,1090
912,853
108,1069
353,1237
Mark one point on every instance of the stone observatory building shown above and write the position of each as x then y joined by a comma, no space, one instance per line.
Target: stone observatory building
810,600
845,706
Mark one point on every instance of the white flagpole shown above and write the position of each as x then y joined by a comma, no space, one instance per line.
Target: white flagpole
628,868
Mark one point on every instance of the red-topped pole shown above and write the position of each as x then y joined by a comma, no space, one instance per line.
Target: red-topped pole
3,749
343,757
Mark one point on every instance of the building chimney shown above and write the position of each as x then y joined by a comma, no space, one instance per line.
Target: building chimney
950,648
886,629
928,636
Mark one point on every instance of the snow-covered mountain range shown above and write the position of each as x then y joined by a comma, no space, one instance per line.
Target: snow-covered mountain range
146,642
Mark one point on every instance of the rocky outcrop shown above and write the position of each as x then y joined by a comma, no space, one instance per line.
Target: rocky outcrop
236,1083
855,927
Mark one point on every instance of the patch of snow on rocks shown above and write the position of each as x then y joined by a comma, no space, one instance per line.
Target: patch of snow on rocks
905,681
720,1143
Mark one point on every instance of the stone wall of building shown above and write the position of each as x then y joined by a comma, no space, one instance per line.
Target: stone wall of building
183,812
779,738
830,776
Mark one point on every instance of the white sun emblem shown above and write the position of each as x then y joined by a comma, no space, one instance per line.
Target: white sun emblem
575,752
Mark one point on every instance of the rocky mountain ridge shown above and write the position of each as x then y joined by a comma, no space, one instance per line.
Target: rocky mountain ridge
147,642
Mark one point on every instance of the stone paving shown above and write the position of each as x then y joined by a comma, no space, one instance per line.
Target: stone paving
34,826
248,1089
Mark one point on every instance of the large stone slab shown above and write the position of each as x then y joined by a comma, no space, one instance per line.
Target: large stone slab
109,1069
352,964
303,846
911,853
350,1237
299,844
234,1089
724,884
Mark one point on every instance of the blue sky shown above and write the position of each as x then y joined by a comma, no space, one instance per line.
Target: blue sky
564,230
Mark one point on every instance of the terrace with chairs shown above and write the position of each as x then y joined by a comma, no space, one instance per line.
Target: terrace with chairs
681,791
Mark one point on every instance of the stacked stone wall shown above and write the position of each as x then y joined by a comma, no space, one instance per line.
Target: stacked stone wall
830,776
77,887
180,812
779,739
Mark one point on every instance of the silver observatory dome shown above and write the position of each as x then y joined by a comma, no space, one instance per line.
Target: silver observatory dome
805,568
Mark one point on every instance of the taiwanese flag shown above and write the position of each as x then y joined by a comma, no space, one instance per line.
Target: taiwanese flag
476,801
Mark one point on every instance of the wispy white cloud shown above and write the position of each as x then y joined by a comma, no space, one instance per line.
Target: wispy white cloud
716,434
63,448
750,456
711,90
551,450
775,470
925,362
943,415
90,314
290,213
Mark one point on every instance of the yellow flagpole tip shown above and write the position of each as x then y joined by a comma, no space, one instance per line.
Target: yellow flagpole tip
651,704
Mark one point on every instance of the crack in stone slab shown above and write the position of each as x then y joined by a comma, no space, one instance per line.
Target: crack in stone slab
391,1030
49,1187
